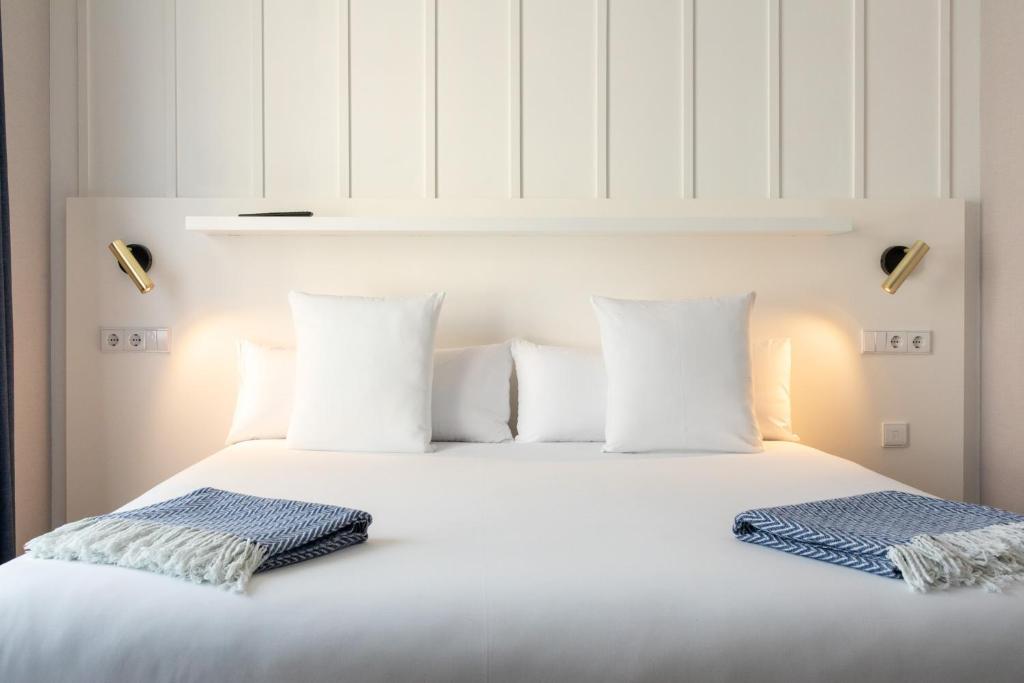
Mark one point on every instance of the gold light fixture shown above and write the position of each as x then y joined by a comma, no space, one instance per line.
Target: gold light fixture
899,262
134,260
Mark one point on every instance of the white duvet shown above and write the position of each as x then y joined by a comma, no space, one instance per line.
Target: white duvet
514,562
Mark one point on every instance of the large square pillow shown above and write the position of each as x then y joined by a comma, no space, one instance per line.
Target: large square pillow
679,375
363,371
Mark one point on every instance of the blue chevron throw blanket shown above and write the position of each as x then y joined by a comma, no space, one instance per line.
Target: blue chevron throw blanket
208,536
928,542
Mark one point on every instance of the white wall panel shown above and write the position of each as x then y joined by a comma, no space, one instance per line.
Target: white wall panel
731,98
125,114
302,100
817,98
472,98
387,108
219,111
966,96
902,116
559,96
644,111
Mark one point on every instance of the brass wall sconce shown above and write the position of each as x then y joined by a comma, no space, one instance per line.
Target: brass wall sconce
134,260
899,262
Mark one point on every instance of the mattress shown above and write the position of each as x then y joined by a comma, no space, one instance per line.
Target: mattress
514,562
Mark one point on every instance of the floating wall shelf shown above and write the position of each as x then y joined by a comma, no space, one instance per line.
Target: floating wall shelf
517,225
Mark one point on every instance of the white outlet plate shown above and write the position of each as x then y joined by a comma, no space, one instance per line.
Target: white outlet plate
895,341
135,339
112,339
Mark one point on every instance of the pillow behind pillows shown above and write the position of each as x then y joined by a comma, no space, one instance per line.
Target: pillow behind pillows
679,375
561,393
471,394
772,402
266,379
363,371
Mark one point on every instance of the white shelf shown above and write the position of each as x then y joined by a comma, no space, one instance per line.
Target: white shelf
517,225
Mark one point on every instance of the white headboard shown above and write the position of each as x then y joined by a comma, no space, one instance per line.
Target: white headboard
133,419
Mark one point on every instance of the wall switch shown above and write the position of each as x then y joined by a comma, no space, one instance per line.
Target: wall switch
111,340
135,339
895,434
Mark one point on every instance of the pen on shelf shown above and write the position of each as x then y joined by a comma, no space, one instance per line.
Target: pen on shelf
278,214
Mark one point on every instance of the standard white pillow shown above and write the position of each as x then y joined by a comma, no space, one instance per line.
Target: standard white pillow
471,394
772,368
264,404
561,393
679,375
363,371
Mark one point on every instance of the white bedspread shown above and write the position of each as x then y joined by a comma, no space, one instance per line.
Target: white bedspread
514,562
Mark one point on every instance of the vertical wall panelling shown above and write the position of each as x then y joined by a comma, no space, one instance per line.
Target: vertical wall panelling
387,97
562,111
170,98
859,110
515,99
945,141
965,128
474,104
644,98
344,101
774,100
817,101
903,94
686,49
220,98
430,132
124,113
302,104
731,93
601,103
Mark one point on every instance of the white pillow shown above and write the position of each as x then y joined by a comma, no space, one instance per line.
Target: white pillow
772,367
264,404
363,370
679,375
561,393
471,394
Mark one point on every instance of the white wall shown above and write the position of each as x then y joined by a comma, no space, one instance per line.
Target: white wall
509,98
26,73
1002,472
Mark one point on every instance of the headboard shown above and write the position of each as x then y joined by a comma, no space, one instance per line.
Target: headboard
134,419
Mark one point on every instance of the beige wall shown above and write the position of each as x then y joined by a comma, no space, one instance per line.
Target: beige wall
26,81
1002,151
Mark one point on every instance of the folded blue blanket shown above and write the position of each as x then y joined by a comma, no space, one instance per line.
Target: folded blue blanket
208,536
928,542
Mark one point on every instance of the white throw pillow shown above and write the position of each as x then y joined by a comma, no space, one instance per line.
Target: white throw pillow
471,394
363,370
264,404
561,393
679,375
772,367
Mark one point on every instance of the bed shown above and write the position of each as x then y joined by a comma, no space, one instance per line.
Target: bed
513,562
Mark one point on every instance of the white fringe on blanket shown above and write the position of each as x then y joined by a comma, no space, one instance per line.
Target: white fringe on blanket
209,557
990,557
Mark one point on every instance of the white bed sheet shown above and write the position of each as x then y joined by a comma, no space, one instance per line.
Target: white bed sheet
514,562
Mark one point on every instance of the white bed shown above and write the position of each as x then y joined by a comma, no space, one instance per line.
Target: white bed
514,562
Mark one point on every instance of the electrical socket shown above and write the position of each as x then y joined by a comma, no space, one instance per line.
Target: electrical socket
112,340
135,340
919,342
896,342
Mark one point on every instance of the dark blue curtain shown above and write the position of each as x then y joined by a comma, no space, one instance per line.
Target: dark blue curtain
6,357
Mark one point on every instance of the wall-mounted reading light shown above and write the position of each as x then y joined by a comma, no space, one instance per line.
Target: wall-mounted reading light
899,262
134,260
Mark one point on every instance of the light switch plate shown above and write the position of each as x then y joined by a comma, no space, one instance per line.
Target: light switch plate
135,339
895,435
895,341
